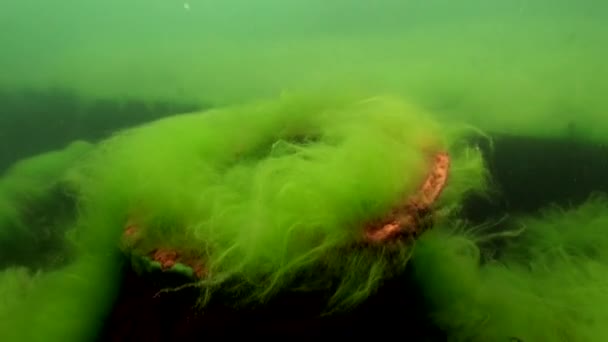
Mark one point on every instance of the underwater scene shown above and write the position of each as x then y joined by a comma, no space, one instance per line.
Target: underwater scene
421,170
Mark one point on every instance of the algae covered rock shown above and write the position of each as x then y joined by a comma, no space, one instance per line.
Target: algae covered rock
275,195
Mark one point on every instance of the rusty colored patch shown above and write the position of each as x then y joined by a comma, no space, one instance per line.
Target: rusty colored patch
408,220
130,230
167,257
411,219
435,181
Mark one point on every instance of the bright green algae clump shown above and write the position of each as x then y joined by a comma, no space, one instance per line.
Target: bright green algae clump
272,196
28,190
549,283
276,191
53,286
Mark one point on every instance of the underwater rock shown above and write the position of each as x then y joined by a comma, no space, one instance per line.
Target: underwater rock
252,197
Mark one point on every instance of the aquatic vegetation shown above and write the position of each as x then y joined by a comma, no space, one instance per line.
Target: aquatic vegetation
37,200
52,286
279,195
550,283
263,194
266,197
63,304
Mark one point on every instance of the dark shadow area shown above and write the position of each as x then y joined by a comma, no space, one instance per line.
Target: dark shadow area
38,241
36,121
530,173
142,314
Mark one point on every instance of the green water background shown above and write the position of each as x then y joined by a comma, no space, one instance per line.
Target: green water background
522,66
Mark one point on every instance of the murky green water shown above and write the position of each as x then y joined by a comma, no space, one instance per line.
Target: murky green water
531,74
518,66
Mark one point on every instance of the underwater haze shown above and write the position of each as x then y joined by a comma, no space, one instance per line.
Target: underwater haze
522,66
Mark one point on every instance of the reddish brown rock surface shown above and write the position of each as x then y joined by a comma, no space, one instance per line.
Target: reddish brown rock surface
410,219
